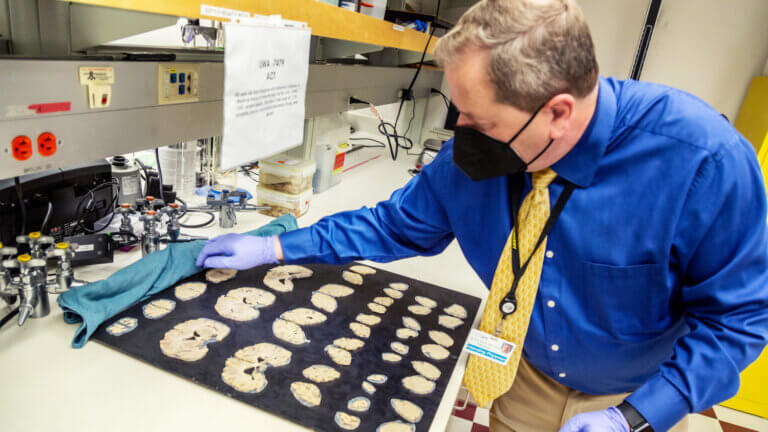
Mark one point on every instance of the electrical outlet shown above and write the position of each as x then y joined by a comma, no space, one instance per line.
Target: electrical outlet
21,148
404,94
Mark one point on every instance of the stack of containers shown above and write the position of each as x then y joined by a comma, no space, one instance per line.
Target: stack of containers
285,185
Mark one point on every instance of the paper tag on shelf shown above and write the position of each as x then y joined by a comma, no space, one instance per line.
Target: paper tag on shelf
489,347
220,12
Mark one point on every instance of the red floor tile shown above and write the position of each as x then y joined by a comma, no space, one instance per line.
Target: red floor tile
467,413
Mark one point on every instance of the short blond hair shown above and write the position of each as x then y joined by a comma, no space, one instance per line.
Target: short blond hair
538,49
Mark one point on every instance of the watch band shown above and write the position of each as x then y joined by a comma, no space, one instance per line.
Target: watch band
637,422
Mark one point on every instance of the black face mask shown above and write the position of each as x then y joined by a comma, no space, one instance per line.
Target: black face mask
481,157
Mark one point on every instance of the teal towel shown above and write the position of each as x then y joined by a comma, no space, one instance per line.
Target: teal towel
97,302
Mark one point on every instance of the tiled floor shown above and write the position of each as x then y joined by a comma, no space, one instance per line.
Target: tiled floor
716,419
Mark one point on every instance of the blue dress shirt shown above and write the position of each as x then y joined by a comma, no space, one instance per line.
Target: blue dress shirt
656,277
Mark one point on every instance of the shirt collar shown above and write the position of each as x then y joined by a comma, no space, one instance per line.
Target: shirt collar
580,164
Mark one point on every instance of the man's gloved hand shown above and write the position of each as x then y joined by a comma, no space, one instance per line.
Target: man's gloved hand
237,251
610,420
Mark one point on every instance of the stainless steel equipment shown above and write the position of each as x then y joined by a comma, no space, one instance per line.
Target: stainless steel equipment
126,173
173,229
63,253
24,277
125,211
227,215
36,242
150,238
8,292
31,288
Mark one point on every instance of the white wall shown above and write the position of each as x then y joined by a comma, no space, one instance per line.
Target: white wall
615,26
711,48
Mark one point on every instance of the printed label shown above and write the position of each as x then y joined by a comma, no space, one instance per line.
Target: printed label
97,75
85,248
489,347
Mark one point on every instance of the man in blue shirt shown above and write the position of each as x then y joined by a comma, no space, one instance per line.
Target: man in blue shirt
653,293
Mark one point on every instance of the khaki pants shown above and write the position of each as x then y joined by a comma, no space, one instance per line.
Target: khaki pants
537,403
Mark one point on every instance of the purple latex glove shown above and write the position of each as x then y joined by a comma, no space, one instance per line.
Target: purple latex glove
237,251
610,420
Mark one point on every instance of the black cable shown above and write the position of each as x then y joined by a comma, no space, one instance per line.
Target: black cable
185,210
9,317
413,115
22,206
249,172
89,195
123,239
200,225
159,173
381,144
394,149
445,98
146,175
47,218
409,91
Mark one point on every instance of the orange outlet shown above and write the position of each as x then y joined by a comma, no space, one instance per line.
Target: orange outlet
21,148
46,144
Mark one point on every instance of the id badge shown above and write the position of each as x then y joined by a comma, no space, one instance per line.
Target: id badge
489,347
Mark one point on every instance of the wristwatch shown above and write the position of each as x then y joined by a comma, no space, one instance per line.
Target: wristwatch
636,421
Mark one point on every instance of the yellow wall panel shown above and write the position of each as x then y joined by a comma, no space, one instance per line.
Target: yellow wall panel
753,394
752,121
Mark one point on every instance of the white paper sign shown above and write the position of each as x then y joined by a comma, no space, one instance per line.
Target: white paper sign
265,86
489,347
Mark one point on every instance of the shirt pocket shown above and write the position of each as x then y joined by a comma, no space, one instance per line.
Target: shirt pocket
626,300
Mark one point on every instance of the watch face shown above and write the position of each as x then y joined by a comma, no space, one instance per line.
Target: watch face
635,420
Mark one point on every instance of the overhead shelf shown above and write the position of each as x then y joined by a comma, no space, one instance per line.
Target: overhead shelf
393,14
326,20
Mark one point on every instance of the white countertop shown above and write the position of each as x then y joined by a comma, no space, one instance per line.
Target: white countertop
45,385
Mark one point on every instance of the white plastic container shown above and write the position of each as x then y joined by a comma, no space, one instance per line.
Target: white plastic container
292,176
281,203
330,166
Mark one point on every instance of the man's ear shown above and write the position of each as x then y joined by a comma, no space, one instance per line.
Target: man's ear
561,108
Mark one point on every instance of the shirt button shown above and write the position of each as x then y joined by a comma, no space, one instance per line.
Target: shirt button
562,375
551,303
550,254
555,347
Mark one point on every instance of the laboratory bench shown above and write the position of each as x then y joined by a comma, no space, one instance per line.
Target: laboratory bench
46,385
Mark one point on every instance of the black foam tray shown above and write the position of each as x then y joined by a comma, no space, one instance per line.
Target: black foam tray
143,343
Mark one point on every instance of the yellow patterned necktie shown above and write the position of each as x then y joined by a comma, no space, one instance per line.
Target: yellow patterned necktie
487,380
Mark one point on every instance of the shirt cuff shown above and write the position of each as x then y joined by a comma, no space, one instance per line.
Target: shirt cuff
298,247
660,403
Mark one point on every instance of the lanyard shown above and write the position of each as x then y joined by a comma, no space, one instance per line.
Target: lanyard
508,305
